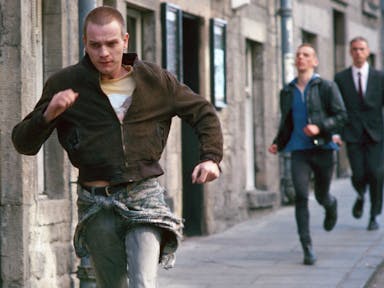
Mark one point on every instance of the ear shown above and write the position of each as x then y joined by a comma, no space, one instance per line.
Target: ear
126,40
316,62
84,43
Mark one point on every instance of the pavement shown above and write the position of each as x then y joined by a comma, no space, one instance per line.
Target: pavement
377,280
265,251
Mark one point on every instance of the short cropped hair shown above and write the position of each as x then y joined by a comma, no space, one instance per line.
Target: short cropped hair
308,45
104,15
358,38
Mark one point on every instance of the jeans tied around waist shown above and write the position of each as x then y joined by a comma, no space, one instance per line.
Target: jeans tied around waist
141,203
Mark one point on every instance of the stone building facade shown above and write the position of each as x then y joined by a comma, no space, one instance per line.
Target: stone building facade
229,51
329,26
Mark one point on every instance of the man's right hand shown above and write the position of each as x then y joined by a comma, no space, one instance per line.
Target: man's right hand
60,102
272,149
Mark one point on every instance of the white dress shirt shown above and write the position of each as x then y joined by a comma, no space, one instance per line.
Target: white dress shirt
364,70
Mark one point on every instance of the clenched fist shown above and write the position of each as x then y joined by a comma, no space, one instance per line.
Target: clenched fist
60,102
205,172
311,130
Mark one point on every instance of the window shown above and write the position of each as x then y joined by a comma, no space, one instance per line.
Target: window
37,52
249,119
51,60
339,40
218,62
171,39
134,28
309,38
254,130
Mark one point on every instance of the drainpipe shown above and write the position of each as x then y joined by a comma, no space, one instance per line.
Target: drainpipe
287,40
288,73
85,271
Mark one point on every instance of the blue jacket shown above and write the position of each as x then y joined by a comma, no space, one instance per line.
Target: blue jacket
325,108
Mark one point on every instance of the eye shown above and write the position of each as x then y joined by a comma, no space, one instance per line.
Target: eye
95,45
112,44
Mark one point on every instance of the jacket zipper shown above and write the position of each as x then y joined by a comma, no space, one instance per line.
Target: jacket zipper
121,127
123,144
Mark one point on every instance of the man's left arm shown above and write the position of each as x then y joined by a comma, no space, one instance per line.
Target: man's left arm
205,172
201,116
337,114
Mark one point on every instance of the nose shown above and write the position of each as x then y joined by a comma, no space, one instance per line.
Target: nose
103,52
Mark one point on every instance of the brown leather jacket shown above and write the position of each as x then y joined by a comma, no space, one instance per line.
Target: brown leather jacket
98,144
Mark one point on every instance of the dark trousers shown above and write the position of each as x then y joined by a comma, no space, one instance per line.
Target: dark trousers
366,164
320,162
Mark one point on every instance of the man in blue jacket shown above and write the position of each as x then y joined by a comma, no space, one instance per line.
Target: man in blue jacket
311,112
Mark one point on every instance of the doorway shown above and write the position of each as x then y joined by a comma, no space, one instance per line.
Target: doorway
339,52
193,198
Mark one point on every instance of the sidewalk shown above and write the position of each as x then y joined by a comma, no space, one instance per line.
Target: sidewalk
265,252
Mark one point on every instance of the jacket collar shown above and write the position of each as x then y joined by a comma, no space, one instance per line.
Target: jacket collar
128,59
315,79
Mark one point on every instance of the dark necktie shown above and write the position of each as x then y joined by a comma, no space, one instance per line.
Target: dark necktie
360,87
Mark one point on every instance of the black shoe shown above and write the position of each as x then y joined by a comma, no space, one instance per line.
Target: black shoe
357,210
330,216
372,225
309,256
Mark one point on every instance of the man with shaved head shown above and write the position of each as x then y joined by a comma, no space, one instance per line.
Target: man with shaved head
113,114
362,88
311,112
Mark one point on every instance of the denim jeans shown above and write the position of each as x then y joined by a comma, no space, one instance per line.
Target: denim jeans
320,162
119,253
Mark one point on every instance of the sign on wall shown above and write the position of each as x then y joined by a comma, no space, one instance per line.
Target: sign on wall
171,39
218,59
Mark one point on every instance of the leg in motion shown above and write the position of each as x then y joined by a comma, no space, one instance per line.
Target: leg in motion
143,252
356,156
106,246
375,174
322,165
300,178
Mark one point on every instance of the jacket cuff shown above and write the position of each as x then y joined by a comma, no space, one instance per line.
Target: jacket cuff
211,157
41,123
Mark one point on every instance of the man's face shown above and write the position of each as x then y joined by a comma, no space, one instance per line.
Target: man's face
305,59
105,46
359,51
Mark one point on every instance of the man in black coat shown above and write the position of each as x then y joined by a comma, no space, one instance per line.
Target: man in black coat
311,112
362,88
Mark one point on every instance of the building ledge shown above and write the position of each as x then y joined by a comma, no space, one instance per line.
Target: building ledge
261,199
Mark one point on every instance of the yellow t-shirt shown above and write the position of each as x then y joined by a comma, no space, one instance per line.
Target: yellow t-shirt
119,92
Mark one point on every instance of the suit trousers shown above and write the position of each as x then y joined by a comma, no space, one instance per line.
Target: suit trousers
118,254
366,161
320,163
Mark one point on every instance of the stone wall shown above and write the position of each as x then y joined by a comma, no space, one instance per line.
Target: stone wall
36,215
37,194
